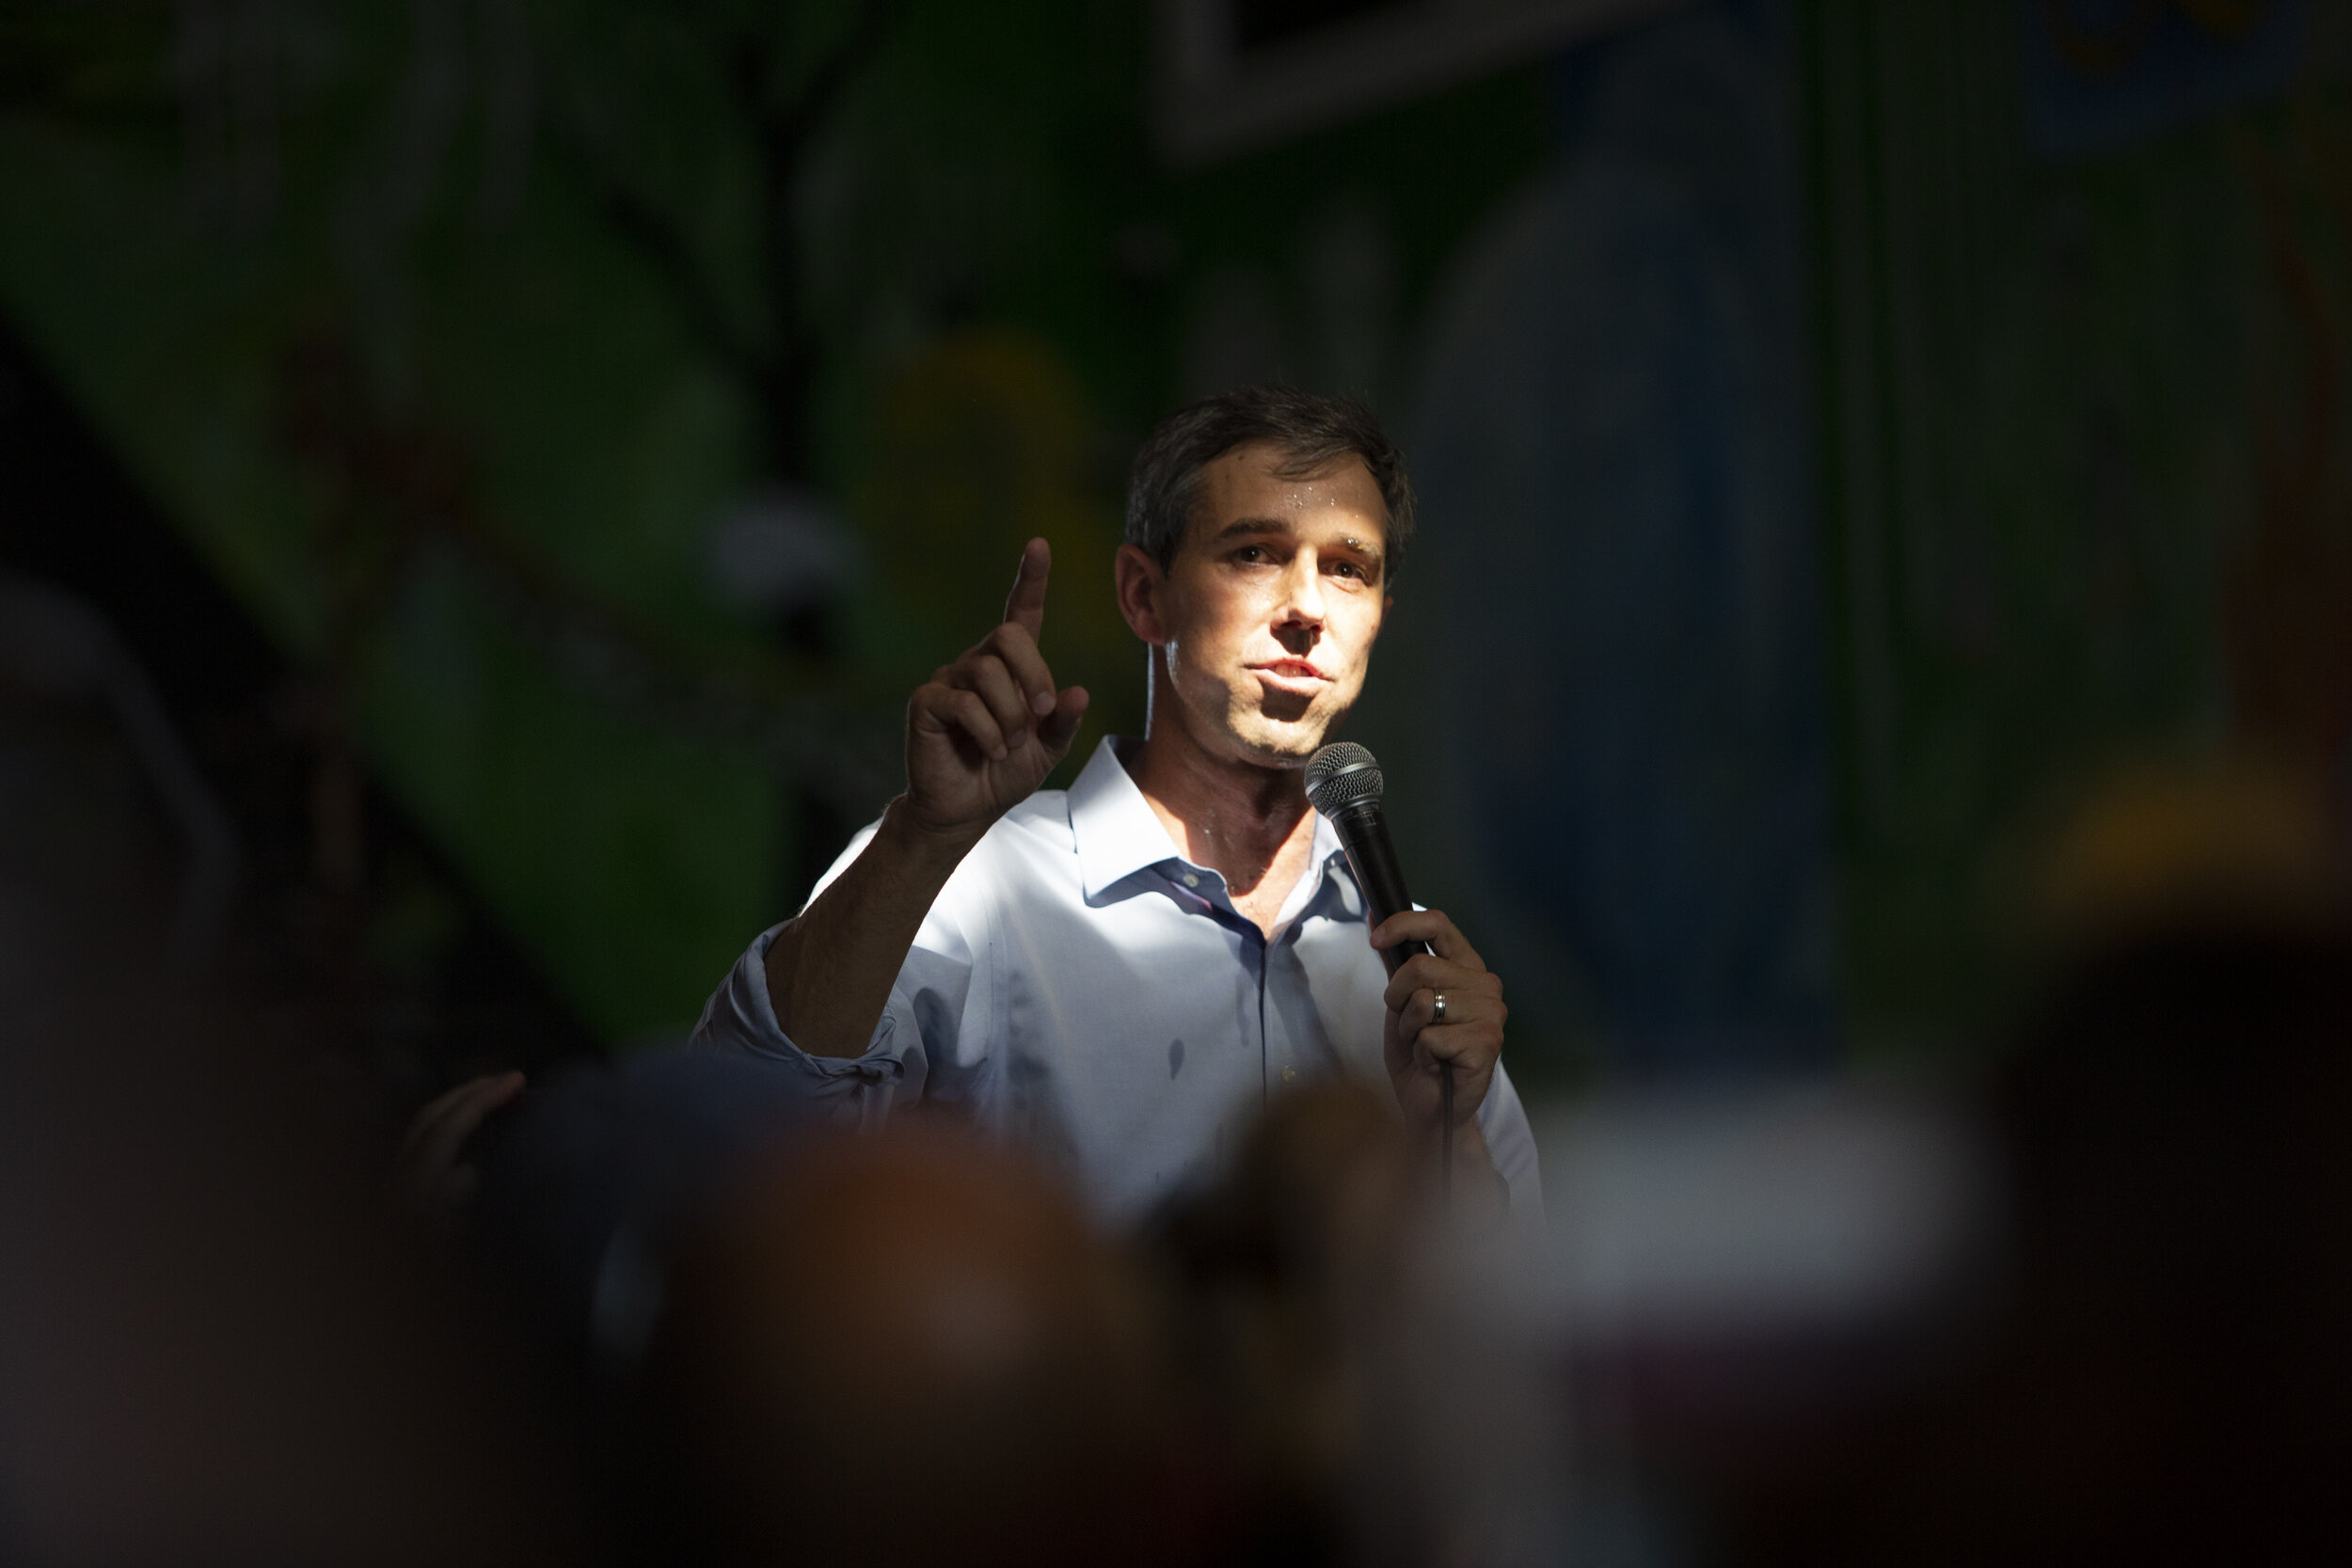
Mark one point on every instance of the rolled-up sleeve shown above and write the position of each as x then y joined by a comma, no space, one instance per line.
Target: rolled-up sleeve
741,1019
861,1090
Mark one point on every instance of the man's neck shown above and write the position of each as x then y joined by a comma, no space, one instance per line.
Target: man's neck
1247,822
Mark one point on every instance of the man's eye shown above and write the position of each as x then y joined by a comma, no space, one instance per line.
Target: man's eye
1250,554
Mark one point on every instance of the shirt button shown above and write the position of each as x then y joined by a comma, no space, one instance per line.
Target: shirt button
1191,880
1290,1075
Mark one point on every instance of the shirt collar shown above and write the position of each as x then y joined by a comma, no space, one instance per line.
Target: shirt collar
1328,864
1114,827
1116,833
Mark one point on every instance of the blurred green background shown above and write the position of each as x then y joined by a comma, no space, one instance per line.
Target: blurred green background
614,408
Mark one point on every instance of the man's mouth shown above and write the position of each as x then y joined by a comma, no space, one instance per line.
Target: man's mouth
1290,674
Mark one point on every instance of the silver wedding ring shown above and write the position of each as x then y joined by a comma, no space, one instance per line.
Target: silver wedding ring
1437,1006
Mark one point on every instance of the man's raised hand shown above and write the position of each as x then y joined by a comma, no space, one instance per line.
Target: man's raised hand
983,732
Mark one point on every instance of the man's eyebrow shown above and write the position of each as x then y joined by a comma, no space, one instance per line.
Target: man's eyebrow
1240,527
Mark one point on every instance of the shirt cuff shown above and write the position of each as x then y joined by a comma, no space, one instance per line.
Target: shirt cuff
741,1018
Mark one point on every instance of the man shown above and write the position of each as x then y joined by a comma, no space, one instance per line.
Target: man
1115,974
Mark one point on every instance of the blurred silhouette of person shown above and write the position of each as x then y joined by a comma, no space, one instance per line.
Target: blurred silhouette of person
214,1347
576,1193
1282,1278
2169,1379
907,1349
1111,976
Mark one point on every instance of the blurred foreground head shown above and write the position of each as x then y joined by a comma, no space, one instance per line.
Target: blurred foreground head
2179,1385
2171,1381
908,1348
1300,1283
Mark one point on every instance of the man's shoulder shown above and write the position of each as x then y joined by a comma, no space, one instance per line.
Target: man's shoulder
1022,856
1045,807
1025,836
1034,830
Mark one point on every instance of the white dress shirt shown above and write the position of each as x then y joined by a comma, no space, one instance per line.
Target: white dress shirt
1083,990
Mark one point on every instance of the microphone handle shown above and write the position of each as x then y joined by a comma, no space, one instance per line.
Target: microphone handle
1365,831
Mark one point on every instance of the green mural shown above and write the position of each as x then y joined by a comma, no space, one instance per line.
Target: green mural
2060,390
452,334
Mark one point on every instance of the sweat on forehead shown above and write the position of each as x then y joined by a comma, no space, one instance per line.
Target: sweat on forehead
1255,489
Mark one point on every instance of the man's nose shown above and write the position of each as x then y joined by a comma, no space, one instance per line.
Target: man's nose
1302,587
1298,619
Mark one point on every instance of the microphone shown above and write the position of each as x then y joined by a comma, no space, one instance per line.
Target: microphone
1344,784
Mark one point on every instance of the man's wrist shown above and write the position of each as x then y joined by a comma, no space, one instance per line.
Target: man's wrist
930,853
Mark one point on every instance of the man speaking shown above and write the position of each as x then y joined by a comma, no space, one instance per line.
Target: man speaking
1115,974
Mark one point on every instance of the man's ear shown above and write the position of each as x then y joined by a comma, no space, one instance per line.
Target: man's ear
1141,585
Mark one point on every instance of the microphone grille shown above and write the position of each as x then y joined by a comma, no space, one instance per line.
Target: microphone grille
1342,774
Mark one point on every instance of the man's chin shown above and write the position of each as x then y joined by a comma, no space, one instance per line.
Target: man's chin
1283,745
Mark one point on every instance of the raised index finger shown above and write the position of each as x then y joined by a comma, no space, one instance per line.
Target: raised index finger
1026,605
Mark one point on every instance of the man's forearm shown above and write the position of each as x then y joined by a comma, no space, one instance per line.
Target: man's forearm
830,971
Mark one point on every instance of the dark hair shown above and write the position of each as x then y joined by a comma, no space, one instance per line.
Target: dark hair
1310,431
